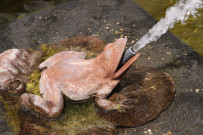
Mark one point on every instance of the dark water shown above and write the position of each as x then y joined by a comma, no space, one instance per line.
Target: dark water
13,9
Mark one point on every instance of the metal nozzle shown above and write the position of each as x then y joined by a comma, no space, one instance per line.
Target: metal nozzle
129,53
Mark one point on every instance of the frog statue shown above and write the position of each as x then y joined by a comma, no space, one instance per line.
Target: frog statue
69,74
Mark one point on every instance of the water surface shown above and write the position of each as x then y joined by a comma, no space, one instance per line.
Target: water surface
13,9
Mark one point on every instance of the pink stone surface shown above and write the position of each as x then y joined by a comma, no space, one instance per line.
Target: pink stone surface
69,73
15,65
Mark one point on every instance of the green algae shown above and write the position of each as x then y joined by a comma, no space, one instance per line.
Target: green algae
21,16
78,117
12,117
49,50
33,85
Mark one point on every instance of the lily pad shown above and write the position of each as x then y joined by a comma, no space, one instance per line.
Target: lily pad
151,93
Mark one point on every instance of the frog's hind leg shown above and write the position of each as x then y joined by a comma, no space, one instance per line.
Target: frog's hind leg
49,105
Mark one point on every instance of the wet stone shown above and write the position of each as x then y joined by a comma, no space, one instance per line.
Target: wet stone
151,92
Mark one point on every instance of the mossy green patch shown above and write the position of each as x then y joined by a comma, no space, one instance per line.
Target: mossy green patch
12,116
21,16
79,117
33,85
49,50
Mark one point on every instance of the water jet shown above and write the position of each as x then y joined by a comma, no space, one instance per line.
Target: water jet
179,12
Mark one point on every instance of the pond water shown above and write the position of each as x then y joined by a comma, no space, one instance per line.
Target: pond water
191,33
12,9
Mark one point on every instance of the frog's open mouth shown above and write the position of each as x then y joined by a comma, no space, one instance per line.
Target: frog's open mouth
111,56
124,65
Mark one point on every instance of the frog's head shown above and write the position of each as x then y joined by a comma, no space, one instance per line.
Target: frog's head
111,56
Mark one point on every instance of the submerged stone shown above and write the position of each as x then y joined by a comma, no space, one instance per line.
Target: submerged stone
151,93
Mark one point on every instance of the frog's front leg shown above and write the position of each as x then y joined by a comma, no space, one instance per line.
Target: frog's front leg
49,105
102,101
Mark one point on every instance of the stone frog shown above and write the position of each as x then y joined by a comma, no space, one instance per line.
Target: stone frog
69,73
15,66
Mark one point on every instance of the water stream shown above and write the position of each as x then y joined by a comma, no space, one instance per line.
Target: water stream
179,12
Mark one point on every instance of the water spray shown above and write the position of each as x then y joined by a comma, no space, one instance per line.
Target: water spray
179,12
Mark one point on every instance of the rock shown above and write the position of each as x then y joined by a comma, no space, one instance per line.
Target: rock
79,43
150,94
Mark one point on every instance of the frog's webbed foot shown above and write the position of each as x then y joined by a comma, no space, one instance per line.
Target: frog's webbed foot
126,104
25,101
49,106
106,104
119,105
